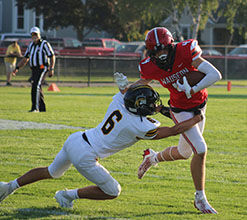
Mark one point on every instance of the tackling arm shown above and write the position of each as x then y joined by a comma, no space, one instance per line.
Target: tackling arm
179,128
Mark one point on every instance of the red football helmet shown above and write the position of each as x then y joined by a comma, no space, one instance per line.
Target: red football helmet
158,38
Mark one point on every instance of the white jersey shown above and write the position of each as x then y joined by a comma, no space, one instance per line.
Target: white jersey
120,129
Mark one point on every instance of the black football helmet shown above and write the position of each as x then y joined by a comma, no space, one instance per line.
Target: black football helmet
141,100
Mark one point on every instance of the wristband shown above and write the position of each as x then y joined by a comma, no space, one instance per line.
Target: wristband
17,67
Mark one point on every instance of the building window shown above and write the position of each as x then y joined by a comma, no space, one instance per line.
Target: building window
20,17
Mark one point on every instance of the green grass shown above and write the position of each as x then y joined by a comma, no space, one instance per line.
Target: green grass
97,79
166,192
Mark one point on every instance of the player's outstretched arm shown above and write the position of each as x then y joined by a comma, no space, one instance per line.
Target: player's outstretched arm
122,81
179,128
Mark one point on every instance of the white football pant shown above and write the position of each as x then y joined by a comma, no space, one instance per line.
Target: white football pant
78,152
191,140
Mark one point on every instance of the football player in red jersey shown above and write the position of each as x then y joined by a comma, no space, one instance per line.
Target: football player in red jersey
168,62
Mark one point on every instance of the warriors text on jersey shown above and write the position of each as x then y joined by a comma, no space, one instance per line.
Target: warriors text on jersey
186,52
120,129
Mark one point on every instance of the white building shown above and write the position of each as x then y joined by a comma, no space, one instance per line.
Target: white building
15,19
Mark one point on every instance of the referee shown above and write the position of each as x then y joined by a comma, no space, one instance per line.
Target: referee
41,60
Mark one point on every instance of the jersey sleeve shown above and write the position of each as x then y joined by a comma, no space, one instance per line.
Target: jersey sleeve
147,69
151,134
48,49
195,50
148,129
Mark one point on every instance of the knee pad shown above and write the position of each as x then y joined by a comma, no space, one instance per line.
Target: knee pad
111,187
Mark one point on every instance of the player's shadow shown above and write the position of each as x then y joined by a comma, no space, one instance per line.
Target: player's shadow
34,213
166,211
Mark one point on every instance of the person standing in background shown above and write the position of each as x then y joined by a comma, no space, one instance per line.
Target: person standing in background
41,59
13,51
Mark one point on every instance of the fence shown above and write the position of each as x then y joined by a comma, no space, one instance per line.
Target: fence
232,66
100,69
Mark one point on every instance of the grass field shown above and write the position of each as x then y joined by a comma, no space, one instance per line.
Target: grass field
166,192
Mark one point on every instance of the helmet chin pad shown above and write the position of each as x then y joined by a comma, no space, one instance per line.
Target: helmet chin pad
165,60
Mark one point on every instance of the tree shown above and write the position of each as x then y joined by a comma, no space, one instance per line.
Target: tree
60,13
133,18
124,19
235,12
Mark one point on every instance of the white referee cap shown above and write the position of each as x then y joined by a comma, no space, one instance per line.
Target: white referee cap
35,30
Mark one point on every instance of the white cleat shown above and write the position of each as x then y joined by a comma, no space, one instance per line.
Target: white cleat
149,159
63,199
5,190
202,204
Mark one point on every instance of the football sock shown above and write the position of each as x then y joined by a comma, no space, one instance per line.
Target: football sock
72,194
14,185
162,157
170,153
201,193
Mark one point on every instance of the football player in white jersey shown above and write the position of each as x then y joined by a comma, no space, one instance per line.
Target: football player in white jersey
124,124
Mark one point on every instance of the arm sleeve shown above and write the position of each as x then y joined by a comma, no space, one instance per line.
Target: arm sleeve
212,76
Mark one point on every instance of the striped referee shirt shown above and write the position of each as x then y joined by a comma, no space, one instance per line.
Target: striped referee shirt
38,53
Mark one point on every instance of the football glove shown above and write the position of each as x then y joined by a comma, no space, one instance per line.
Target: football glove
165,111
185,87
121,80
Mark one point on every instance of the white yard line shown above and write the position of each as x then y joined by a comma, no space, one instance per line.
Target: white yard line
18,125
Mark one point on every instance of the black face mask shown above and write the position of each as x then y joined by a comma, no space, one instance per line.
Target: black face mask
165,63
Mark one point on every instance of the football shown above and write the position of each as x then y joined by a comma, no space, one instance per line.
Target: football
193,77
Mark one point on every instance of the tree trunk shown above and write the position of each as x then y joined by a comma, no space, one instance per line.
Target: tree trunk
197,20
176,23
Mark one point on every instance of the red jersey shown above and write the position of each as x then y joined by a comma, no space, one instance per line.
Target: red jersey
186,52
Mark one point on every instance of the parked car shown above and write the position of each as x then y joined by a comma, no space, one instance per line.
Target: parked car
239,51
131,49
65,46
100,46
101,42
211,52
5,36
63,42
